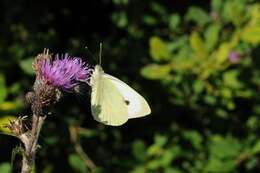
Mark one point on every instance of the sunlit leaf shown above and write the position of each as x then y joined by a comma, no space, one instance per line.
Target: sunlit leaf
222,53
7,106
26,65
197,45
158,49
251,34
154,71
4,120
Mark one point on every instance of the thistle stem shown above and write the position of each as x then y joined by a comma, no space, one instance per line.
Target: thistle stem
30,140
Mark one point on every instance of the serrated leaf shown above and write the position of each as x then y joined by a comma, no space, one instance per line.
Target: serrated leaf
26,66
158,49
154,71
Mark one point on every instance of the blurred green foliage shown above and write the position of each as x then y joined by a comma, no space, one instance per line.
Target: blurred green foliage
205,105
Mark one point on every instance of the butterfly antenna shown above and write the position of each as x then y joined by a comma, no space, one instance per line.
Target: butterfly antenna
91,54
100,53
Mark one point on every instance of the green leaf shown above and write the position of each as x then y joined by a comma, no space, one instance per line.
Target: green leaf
230,79
167,158
251,34
120,19
197,45
158,8
197,15
5,168
211,36
154,71
234,11
215,166
194,137
160,140
4,120
149,20
8,106
174,22
216,5
120,2
48,169
139,150
77,163
225,148
222,53
3,90
26,66
158,49
251,163
198,86
256,148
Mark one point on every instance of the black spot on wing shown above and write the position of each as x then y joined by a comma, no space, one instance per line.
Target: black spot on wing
127,102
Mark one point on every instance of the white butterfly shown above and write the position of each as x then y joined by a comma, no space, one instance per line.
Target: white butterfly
113,102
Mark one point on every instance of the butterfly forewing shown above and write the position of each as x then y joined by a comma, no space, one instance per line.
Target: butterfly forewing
107,104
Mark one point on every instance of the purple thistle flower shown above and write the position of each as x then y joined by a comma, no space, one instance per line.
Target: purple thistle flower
234,57
65,72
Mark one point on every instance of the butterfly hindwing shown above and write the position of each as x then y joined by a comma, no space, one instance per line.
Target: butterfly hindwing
136,104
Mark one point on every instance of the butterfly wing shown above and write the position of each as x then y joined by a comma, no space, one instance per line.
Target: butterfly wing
137,106
107,103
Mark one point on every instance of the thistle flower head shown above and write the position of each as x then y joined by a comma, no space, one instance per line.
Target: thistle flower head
64,71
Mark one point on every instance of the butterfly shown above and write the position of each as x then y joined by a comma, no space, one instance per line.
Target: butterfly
113,102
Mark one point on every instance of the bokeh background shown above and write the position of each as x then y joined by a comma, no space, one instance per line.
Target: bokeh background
196,62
